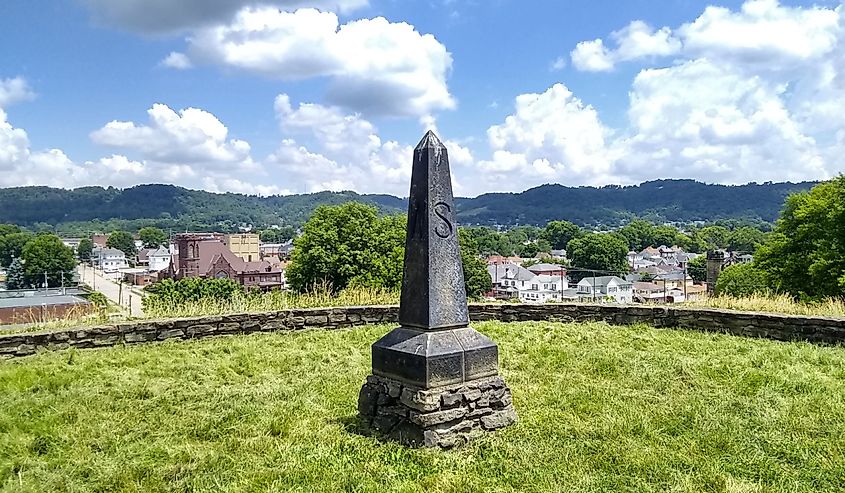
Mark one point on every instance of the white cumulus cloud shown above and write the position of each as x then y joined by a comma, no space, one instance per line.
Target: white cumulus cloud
14,90
373,65
173,16
636,41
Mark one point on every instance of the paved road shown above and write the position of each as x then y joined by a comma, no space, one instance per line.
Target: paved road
127,298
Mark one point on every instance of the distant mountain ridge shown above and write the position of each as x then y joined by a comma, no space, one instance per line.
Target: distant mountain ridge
181,208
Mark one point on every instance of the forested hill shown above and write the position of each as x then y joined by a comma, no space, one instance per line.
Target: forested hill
178,208
660,201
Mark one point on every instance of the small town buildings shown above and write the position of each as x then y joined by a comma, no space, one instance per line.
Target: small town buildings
71,242
159,260
38,306
543,288
605,288
648,292
205,255
548,269
112,260
244,245
514,281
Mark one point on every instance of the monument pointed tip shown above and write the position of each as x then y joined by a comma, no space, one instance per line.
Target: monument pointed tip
429,140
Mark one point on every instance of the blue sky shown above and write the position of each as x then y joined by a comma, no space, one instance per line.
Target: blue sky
286,96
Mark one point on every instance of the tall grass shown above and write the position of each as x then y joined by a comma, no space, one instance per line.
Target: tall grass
272,301
775,303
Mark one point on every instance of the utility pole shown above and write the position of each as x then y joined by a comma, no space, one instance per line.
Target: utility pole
664,289
594,286
120,292
46,283
685,282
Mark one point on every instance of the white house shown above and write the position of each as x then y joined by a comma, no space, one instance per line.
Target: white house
159,259
112,260
515,281
543,288
605,288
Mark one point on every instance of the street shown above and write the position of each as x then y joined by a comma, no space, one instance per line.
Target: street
127,297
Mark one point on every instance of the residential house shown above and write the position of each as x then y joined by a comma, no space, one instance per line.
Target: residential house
515,281
159,260
605,288
112,260
648,292
544,288
548,269
508,279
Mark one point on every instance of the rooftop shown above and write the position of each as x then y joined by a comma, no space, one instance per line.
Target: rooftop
38,300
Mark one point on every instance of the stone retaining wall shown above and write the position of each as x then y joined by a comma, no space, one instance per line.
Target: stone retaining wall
780,327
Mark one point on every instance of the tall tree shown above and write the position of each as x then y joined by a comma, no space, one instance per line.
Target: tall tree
15,276
597,251
123,241
697,268
47,257
151,237
345,245
805,255
560,233
639,234
11,246
84,249
476,278
746,239
741,280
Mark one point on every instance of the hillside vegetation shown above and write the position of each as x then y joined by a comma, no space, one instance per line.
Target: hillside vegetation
167,206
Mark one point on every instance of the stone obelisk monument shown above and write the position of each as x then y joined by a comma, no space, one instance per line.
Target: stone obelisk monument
435,380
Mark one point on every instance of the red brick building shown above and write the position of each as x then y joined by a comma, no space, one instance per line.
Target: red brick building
205,255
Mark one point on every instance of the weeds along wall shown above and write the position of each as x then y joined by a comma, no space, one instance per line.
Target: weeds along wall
780,327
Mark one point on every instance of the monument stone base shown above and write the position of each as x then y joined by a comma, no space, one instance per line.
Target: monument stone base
443,417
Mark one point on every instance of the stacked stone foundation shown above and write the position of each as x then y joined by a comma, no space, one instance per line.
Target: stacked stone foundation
442,417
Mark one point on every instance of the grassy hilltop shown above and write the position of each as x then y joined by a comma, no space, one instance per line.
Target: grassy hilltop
601,409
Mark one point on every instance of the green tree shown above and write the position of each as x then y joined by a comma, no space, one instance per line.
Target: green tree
15,276
597,251
741,280
84,249
805,255
639,234
560,233
7,229
47,255
151,237
123,241
347,245
714,237
277,235
476,278
746,239
11,246
697,268
666,235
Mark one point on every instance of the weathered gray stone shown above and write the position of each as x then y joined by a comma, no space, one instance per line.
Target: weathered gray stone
451,399
140,336
420,400
499,419
427,420
170,334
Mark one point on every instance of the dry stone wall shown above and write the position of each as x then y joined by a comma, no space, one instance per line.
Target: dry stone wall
781,327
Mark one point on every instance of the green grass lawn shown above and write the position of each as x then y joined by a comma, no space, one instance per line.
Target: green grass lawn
601,409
